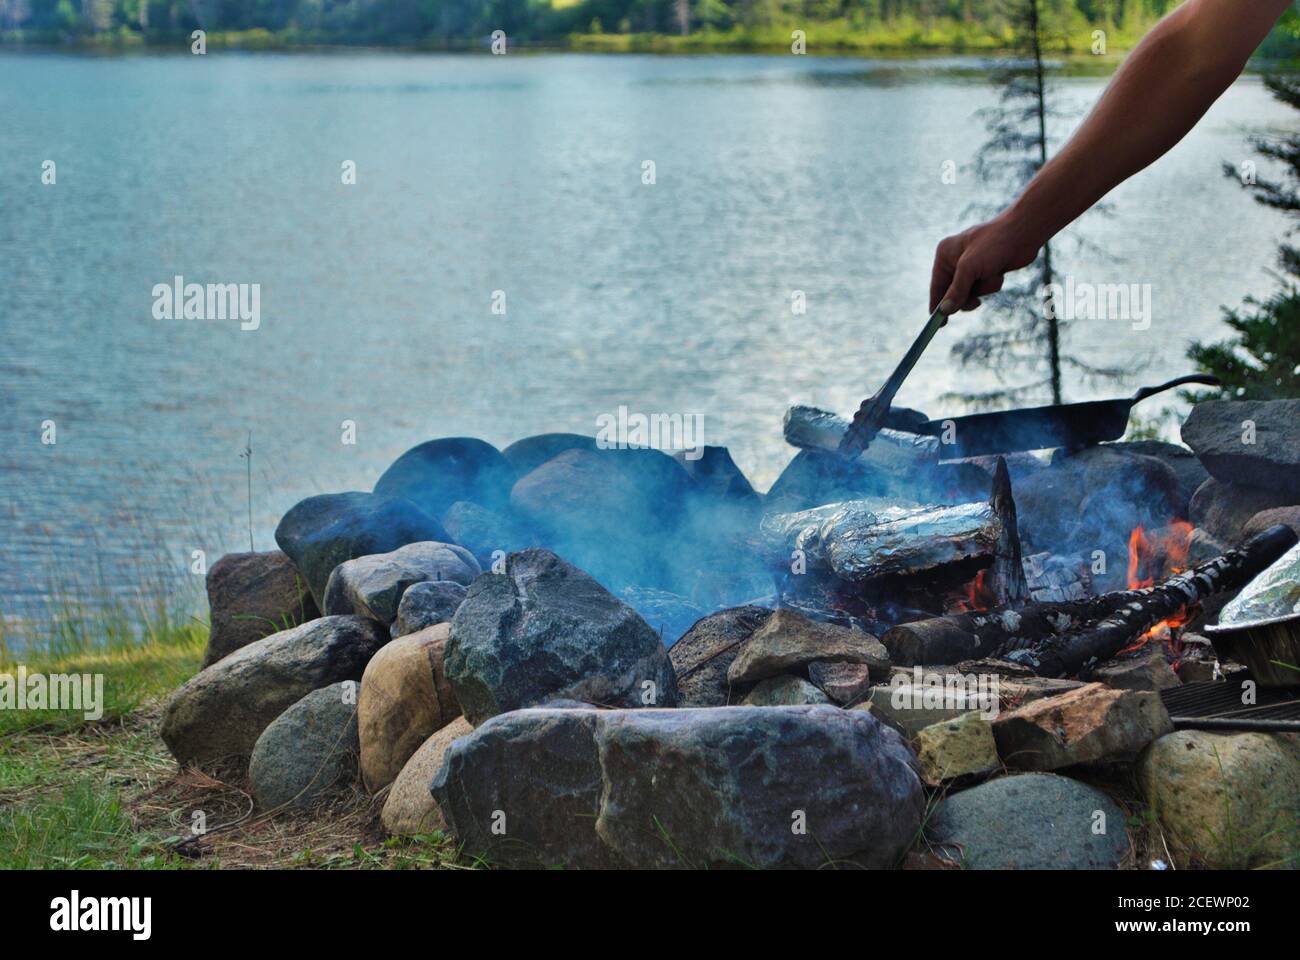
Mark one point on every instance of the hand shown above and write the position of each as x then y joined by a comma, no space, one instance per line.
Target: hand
973,263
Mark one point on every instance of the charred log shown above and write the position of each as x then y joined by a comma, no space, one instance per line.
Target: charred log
1006,577
1001,631
1069,653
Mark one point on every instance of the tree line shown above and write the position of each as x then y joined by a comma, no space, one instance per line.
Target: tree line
467,21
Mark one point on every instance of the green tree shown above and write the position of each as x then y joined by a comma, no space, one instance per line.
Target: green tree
1019,333
1262,362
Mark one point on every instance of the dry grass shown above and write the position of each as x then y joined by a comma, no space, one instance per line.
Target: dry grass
109,795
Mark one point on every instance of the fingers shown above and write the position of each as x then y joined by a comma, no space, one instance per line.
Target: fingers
961,290
945,255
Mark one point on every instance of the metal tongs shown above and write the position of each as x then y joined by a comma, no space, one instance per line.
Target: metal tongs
873,411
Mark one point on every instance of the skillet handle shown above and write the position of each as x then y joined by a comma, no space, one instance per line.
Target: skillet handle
1203,378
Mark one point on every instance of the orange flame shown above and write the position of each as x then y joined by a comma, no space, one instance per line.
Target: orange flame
1156,555
976,595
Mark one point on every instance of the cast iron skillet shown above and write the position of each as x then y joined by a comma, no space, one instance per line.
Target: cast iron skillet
1069,425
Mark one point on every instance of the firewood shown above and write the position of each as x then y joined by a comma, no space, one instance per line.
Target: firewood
1004,630
1006,577
1068,653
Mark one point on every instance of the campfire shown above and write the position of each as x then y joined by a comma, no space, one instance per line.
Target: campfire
948,583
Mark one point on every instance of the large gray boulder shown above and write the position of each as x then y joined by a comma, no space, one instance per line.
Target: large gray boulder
436,474
1251,442
743,787
615,513
545,630
219,713
530,453
705,653
1224,509
1092,499
1034,821
716,475
309,750
1183,462
321,532
251,596
373,586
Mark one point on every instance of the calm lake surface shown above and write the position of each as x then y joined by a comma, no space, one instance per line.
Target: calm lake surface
476,174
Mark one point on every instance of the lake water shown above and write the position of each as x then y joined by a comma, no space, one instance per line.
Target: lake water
477,174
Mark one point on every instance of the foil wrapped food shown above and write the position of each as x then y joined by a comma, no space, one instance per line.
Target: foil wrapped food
892,452
1272,597
863,539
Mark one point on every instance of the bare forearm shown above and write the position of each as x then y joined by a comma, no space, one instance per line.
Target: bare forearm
1168,82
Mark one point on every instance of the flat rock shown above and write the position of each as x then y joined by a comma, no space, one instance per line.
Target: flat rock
1250,442
843,683
1093,722
321,532
1032,821
911,708
437,473
426,604
220,712
785,691
789,641
702,657
747,787
1013,693
251,596
373,586
410,810
545,629
1228,800
957,748
405,698
1223,509
1150,671
309,750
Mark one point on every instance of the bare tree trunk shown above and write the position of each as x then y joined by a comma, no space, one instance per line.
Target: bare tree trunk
1053,325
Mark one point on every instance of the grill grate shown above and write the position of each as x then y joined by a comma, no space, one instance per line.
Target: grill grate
1216,705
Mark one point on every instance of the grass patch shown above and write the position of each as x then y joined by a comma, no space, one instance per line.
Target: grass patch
107,794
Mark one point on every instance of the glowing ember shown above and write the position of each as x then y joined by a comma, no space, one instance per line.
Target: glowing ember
977,596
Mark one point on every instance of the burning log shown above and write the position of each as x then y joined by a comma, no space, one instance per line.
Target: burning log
1069,653
1060,639
979,634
